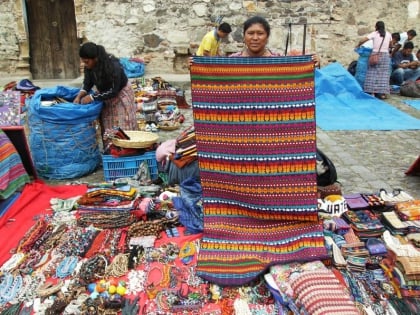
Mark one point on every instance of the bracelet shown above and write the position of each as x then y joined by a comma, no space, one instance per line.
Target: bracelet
49,289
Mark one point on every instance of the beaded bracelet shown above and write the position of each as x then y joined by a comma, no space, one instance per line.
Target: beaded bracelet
12,262
66,267
48,289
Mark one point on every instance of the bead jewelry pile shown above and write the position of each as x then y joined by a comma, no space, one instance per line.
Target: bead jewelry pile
140,258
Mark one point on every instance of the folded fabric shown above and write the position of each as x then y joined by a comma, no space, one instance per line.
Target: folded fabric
376,247
320,292
408,210
356,201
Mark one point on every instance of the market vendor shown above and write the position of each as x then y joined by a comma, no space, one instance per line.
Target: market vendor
105,72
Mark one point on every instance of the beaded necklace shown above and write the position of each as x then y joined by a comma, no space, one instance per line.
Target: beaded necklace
66,267
93,269
12,262
118,267
11,290
136,281
28,290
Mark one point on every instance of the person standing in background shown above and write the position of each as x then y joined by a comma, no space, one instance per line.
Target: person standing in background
377,76
210,43
104,72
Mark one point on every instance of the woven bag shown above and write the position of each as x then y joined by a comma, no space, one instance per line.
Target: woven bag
333,189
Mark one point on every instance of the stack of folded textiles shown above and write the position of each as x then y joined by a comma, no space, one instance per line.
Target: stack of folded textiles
402,265
186,150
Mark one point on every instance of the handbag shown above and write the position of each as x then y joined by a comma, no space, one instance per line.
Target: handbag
374,57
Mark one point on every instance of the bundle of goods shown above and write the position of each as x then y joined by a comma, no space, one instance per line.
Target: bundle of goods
63,138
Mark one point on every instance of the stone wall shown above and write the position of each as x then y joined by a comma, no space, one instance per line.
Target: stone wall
165,32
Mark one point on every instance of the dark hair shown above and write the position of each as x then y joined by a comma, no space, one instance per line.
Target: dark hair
408,45
88,50
380,27
257,20
411,33
225,28
104,66
396,36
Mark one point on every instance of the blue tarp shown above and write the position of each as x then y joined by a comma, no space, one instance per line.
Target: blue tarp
341,104
132,68
62,136
63,113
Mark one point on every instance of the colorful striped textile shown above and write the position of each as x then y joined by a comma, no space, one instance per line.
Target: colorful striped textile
12,172
256,142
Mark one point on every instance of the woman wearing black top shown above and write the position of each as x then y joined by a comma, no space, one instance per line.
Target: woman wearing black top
104,72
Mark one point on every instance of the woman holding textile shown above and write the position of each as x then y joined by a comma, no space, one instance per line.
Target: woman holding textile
256,32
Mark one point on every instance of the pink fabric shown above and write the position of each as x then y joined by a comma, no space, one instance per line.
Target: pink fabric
166,148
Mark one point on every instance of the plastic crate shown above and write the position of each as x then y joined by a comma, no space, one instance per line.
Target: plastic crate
127,167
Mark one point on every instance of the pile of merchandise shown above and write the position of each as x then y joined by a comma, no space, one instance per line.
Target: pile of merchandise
158,104
119,248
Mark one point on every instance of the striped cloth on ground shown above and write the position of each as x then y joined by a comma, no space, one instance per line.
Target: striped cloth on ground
12,172
256,141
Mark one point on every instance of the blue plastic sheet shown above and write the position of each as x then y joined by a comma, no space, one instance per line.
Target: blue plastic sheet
62,136
63,113
362,64
341,104
132,68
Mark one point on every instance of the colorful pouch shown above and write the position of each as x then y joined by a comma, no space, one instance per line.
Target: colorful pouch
356,201
376,247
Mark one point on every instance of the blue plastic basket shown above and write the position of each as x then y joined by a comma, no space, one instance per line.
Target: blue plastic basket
127,167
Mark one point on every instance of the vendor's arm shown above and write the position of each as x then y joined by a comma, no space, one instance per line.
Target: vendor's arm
83,97
362,41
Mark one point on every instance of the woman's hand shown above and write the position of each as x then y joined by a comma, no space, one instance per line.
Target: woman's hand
190,62
86,99
77,99
316,60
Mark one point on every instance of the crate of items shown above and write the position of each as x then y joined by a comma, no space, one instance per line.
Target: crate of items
127,167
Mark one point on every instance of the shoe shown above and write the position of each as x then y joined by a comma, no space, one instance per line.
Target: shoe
26,85
148,127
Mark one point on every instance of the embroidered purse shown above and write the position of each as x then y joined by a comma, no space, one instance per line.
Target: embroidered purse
376,247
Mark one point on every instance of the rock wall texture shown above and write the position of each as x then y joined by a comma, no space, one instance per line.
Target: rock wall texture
165,32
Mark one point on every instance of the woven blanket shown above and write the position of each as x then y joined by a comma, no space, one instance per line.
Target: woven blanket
12,172
256,142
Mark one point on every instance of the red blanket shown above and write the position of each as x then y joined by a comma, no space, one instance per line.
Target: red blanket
22,215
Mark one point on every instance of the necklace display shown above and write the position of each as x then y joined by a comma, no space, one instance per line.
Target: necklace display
10,288
12,262
66,267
